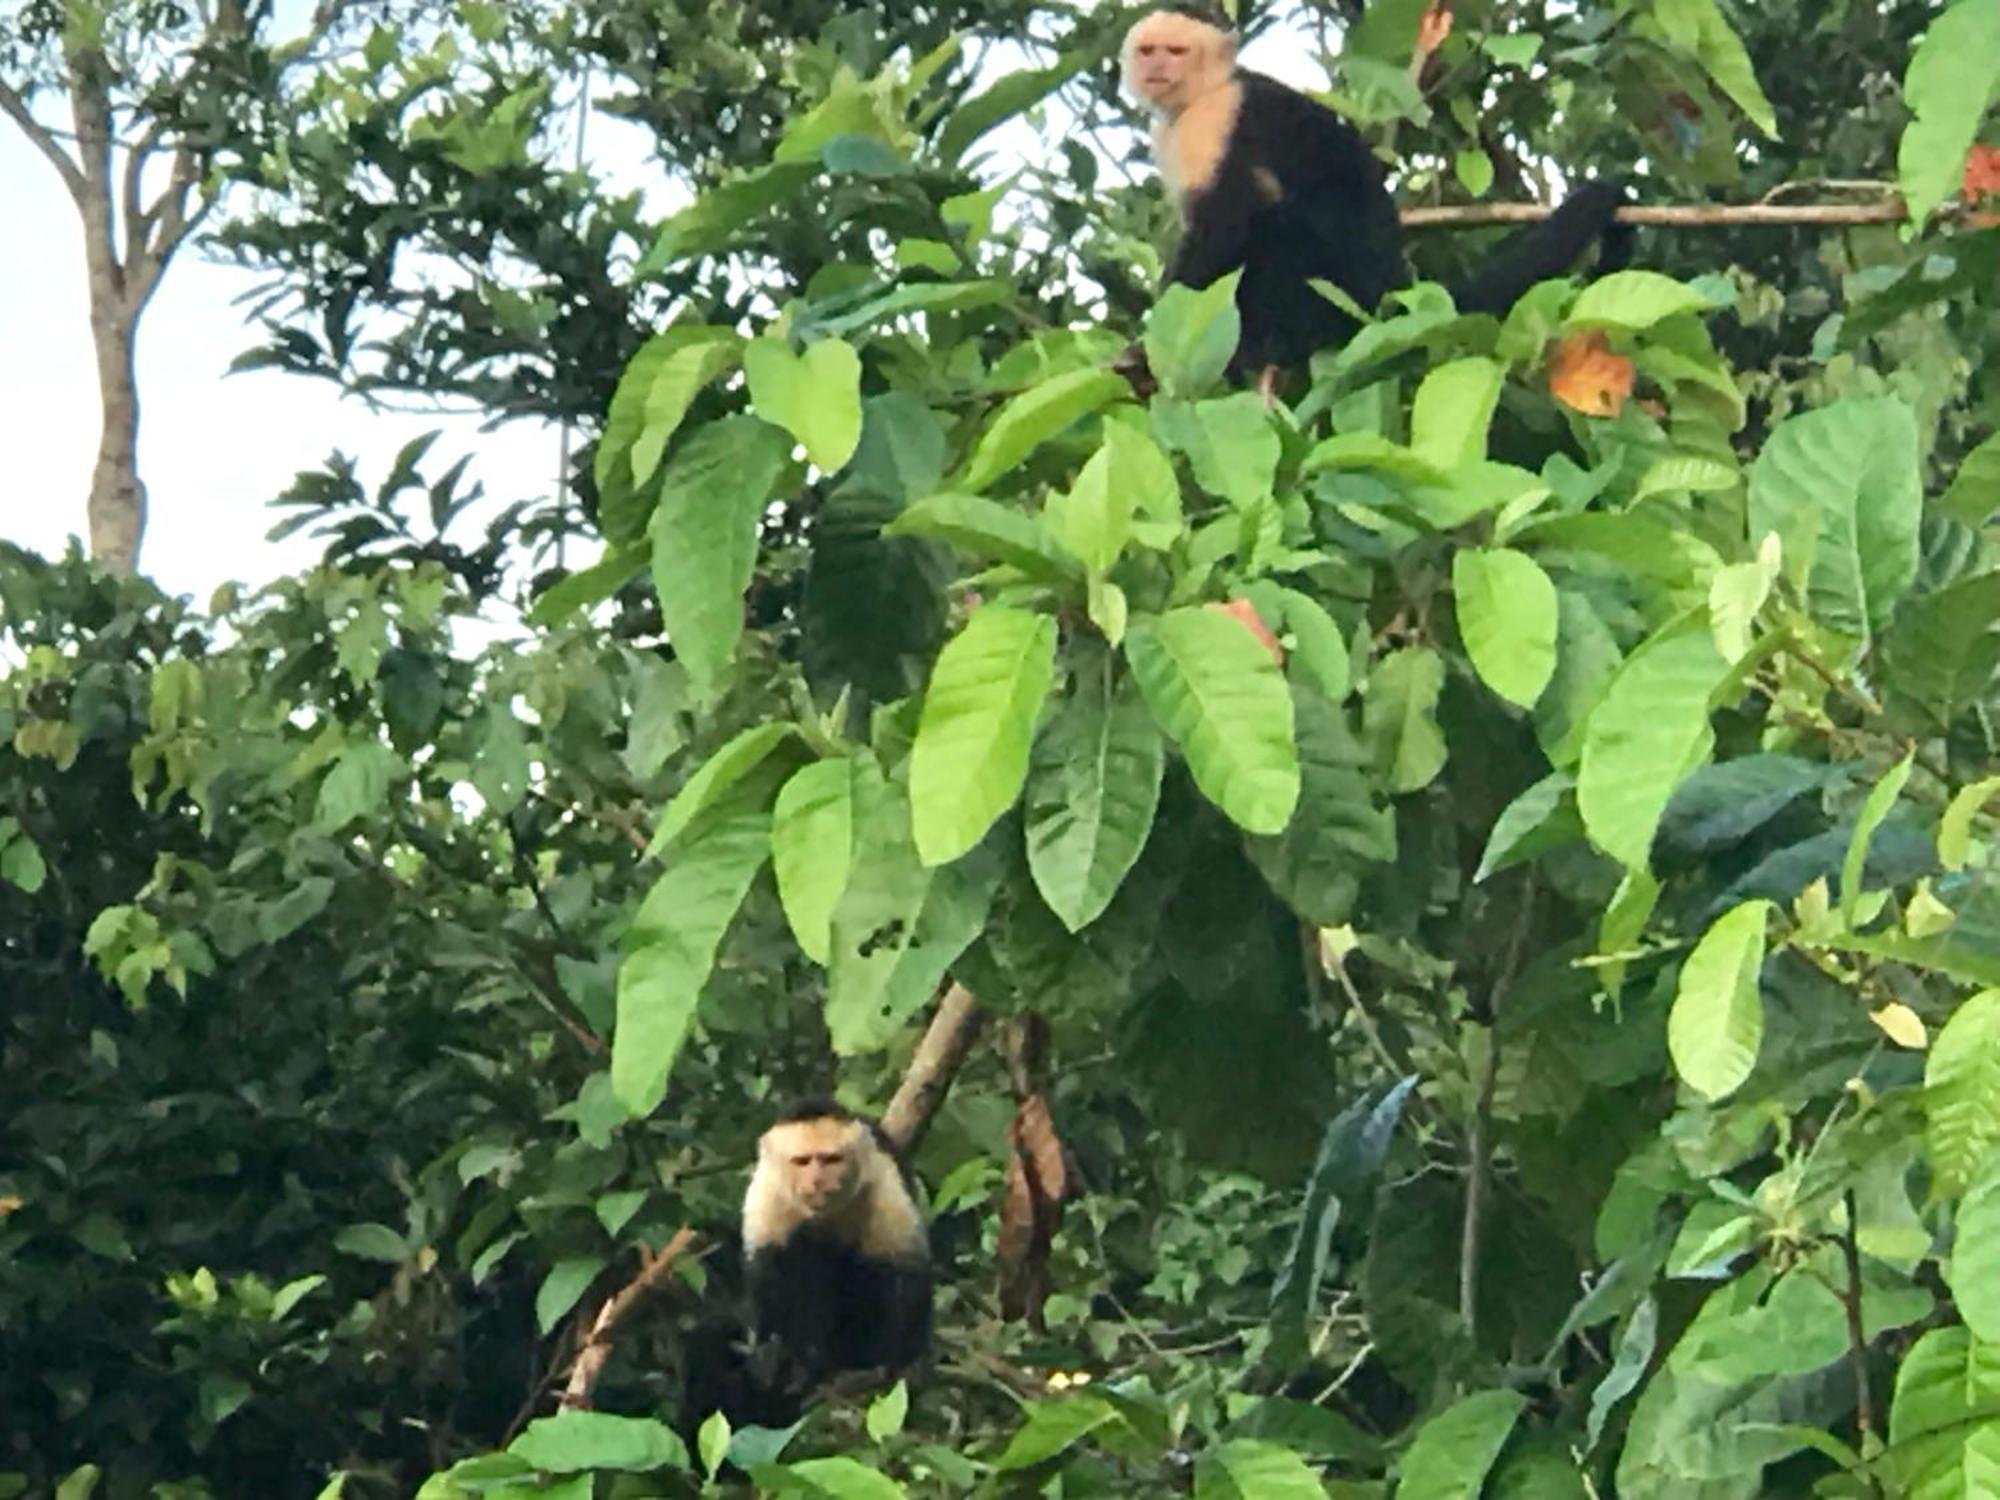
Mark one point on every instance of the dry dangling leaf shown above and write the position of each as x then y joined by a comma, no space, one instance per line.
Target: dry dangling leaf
1586,376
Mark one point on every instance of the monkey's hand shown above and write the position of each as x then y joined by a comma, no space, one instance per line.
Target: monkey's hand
1138,372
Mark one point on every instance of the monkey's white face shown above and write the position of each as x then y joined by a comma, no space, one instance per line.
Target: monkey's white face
1170,61
819,1161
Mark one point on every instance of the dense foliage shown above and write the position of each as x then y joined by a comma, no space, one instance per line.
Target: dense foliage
1486,868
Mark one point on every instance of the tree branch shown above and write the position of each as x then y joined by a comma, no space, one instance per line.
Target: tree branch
1857,1336
45,142
1676,215
596,1347
1479,1164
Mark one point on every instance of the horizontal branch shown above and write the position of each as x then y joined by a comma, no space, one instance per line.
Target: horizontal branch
1679,215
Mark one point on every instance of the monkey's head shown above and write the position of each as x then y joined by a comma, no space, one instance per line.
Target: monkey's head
819,1154
1172,58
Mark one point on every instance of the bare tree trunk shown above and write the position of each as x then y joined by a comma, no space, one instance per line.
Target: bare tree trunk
117,506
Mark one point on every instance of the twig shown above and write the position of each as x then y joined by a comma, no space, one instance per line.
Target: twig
596,1349
44,141
1857,1336
1678,215
1479,1164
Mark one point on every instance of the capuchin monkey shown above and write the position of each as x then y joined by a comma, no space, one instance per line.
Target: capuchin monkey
1270,181
837,1270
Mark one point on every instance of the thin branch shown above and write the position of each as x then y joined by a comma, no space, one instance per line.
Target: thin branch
1479,1164
596,1348
1677,215
17,109
1857,1336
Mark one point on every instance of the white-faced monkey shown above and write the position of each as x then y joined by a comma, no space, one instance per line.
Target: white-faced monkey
836,1266
1281,186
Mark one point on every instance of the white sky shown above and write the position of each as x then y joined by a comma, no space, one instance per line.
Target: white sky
214,449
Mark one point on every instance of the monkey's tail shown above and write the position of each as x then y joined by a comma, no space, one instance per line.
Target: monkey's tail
1550,248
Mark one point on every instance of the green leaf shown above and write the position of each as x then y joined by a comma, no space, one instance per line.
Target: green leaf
1841,489
1975,1255
719,775
1455,1450
899,925
1975,491
357,786
1054,1426
815,396
1341,825
1943,648
563,1287
1453,409
987,529
1012,94
671,950
1507,615
653,397
1951,80
1717,1022
888,1411
571,1442
372,1242
1633,299
1317,644
1093,519
1474,168
1035,416
1962,1093
1217,692
709,224
1244,1469
1880,800
1542,818
1143,471
292,1293
812,845
1191,334
1954,838
1400,717
1944,1439
971,753
1636,1342
1645,735
21,862
1700,27
1093,789
1229,441
591,585
1587,659
842,1478
704,535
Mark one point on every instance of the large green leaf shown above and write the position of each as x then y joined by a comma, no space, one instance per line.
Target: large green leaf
1214,688
836,1478
1400,717
1093,788
1456,1449
899,926
1453,409
1881,798
1587,660
1229,442
704,536
563,1287
1191,333
1507,615
1035,416
1717,1022
1093,518
1841,488
812,845
1053,1426
1009,96
1342,823
671,950
1700,27
711,221
815,396
718,776
1244,1469
971,753
653,396
1944,1438
1634,299
1650,729
1975,1255
1944,647
1954,837
1975,490
572,1441
1542,818
1951,80
990,530
1962,1093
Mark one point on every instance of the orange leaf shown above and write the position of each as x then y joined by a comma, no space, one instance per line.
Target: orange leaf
1982,173
1586,376
1244,610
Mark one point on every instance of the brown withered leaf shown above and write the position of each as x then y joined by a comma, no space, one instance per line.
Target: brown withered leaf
1587,376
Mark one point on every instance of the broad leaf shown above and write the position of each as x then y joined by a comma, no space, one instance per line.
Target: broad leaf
572,1441
563,1287
1880,800
1093,788
1975,1255
718,776
671,950
1453,409
1951,80
987,529
1456,1449
1191,334
1975,491
1944,647
843,1478
1342,823
1634,299
1841,489
1035,416
653,396
1542,818
1954,839
1054,1426
1216,691
1400,717
1229,442
1507,616
1093,519
704,535
1944,1437
815,396
980,710
812,844
1650,729
1962,1093
1243,1469
1717,1022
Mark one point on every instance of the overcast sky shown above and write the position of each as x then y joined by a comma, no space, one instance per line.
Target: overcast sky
215,448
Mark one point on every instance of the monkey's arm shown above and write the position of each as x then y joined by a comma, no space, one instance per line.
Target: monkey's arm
1217,237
